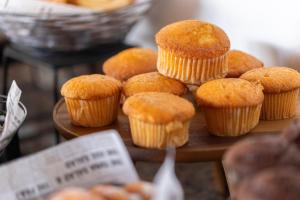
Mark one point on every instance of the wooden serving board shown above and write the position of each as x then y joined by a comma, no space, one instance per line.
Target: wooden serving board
201,147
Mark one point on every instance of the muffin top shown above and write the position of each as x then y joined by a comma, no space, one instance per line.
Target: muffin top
153,82
158,107
130,62
240,62
274,79
193,38
272,184
230,92
91,87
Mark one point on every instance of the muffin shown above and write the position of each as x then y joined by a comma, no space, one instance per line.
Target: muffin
240,62
92,100
130,62
272,184
231,106
158,120
281,88
103,5
75,194
192,51
153,82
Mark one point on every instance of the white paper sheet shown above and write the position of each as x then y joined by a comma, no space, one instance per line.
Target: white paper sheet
14,115
85,161
38,7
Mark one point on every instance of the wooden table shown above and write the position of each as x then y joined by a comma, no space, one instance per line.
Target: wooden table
201,147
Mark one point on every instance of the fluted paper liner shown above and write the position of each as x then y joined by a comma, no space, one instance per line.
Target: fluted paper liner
151,135
191,70
231,121
279,106
93,113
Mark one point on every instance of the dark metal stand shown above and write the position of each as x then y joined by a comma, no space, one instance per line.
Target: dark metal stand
56,61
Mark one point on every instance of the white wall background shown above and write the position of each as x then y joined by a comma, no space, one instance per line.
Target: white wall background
268,29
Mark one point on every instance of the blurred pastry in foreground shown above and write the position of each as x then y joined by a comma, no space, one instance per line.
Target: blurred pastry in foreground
250,156
292,133
281,89
192,51
130,62
272,184
75,194
143,189
240,62
159,120
110,192
231,106
103,5
58,1
153,82
92,100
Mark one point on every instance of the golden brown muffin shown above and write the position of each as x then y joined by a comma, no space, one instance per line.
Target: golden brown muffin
158,120
143,189
92,100
231,106
110,192
153,82
75,194
130,62
103,5
281,88
240,62
272,184
192,51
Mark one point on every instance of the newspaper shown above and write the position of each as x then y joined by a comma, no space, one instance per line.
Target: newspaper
85,161
40,7
14,115
167,186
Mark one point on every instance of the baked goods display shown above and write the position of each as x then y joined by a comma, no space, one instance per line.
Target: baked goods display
252,156
281,88
130,62
92,100
240,62
189,52
231,106
138,190
192,51
159,120
153,82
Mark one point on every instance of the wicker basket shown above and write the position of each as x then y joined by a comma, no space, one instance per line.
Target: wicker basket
71,32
